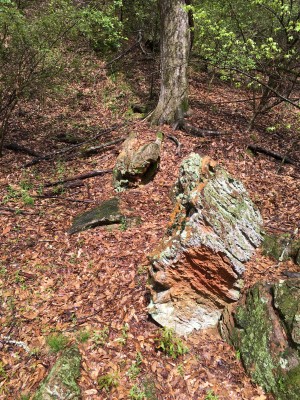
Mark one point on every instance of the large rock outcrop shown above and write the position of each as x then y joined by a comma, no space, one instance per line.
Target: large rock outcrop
136,163
214,230
265,330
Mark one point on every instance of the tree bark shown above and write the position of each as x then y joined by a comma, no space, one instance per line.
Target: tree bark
175,47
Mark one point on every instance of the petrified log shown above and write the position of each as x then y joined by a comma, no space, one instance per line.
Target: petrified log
265,330
214,230
136,164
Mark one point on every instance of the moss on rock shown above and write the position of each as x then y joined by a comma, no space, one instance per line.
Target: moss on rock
282,247
265,331
61,383
287,302
106,213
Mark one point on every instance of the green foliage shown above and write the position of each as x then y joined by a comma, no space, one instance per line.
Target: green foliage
149,389
2,371
123,339
100,337
170,344
211,396
38,45
101,26
83,336
124,224
136,393
22,192
180,369
108,381
251,43
57,342
141,16
25,397
246,35
135,369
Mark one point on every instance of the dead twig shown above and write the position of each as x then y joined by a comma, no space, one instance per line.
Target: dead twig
62,198
273,154
21,149
95,149
87,175
14,210
50,156
198,132
8,340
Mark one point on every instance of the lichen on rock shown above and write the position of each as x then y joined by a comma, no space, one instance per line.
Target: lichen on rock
264,329
196,270
61,383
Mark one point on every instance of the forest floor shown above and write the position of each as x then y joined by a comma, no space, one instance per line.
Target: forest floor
91,287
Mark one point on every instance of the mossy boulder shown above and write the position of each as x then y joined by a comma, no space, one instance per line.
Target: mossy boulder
106,213
265,330
282,247
61,383
197,268
136,164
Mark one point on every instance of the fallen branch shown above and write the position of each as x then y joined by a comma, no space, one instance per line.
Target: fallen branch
8,340
61,188
194,131
21,149
62,198
96,149
13,210
176,141
50,156
277,156
87,175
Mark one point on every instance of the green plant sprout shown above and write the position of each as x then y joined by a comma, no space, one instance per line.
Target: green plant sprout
210,395
170,344
100,337
136,393
108,381
57,342
135,369
123,339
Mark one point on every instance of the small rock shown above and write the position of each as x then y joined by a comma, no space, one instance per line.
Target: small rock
106,213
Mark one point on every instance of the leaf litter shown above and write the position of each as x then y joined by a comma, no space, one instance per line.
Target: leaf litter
93,285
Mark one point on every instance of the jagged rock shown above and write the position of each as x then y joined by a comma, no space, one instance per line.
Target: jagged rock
197,268
61,383
265,330
106,213
136,164
282,247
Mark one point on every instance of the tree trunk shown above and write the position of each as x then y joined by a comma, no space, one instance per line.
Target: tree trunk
175,46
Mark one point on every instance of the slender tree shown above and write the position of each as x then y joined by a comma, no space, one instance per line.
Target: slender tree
174,53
